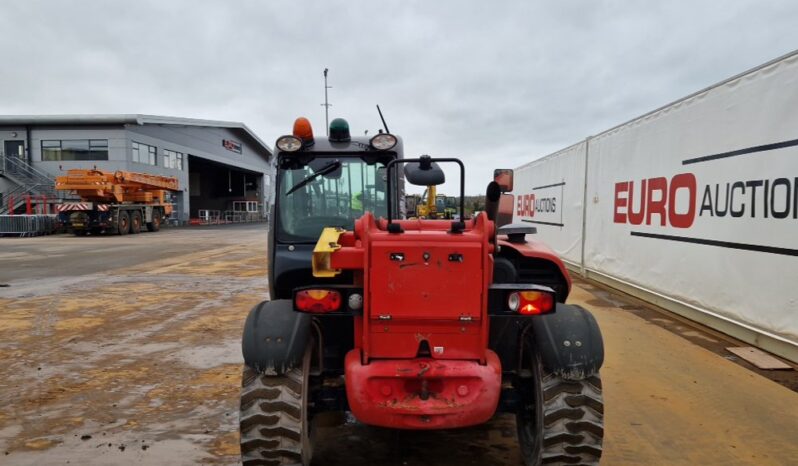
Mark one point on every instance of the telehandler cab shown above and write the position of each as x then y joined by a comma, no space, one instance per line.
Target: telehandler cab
410,324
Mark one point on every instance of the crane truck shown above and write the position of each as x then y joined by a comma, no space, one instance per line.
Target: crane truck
121,202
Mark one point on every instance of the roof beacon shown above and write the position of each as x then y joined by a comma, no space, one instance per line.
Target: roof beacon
339,131
303,130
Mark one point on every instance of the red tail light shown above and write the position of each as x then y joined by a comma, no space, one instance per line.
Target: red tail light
317,300
530,302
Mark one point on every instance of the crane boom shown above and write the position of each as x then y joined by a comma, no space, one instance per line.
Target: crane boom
117,187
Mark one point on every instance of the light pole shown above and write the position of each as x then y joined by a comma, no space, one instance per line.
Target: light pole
326,105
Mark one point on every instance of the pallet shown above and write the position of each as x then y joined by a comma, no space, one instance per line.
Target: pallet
759,358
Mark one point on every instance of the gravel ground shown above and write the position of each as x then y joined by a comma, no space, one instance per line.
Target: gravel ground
125,350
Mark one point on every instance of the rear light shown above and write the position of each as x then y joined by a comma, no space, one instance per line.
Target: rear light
530,302
355,301
320,301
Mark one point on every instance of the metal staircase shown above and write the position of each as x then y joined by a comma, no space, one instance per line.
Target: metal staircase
30,183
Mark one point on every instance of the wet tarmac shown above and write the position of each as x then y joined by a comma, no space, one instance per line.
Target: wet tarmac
125,350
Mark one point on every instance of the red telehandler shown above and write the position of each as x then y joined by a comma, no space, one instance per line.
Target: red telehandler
410,324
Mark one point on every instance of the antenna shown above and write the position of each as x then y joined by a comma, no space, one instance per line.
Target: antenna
326,105
383,119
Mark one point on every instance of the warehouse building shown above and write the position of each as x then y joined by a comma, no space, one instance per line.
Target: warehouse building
220,165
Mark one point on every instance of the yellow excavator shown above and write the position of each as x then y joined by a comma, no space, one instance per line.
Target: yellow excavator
432,205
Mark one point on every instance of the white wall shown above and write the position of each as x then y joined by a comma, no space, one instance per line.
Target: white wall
549,195
737,264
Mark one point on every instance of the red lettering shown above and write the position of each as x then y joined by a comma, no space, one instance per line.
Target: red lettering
525,205
682,181
657,206
622,187
636,218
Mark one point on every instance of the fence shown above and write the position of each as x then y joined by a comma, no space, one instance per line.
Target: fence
693,206
27,225
242,212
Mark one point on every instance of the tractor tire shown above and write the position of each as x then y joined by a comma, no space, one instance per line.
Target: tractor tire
562,421
123,223
135,222
155,224
274,417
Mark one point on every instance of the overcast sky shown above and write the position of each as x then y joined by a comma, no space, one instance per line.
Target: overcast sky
496,83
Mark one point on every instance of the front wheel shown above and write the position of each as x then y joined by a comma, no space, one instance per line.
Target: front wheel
155,224
561,421
274,417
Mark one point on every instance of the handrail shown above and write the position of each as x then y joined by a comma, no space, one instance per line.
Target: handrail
28,180
17,165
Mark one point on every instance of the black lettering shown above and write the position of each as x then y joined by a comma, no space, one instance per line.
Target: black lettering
718,212
766,192
706,202
554,204
753,184
737,213
786,211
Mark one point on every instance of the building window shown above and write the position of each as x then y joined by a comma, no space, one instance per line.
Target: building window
142,153
172,159
74,149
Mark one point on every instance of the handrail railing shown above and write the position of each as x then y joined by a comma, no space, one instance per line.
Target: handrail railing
16,165
29,182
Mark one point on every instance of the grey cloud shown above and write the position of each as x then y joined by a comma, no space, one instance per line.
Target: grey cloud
497,83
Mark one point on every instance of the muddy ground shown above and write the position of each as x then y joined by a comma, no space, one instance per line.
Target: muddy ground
125,350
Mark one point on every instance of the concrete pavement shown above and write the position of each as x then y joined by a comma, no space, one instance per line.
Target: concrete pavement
124,350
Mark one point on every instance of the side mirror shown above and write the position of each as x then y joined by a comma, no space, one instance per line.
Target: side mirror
505,214
424,173
504,178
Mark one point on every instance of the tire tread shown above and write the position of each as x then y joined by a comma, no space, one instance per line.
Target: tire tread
270,420
573,413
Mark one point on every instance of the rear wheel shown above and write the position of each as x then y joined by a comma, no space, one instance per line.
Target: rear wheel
135,222
123,224
562,421
274,417
155,224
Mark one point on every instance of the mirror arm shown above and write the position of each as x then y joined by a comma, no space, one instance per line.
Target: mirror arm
422,159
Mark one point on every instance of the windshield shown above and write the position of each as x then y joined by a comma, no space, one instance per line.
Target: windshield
328,192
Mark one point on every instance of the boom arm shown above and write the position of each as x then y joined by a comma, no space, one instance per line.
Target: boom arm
117,187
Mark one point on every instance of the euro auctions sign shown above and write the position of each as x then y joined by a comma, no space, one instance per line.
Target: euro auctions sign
709,193
543,203
695,202
548,194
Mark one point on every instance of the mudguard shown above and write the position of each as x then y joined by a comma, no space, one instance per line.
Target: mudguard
569,341
275,337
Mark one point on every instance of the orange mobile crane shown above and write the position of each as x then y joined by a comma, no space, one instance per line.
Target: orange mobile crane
118,202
